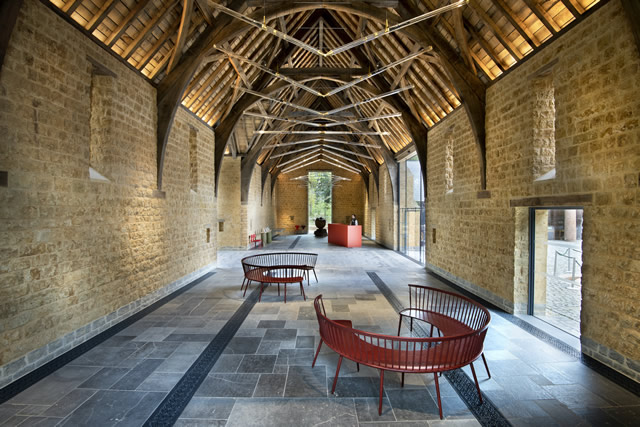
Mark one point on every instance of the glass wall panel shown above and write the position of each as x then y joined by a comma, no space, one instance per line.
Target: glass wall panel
412,210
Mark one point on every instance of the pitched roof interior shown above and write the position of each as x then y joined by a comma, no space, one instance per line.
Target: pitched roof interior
491,36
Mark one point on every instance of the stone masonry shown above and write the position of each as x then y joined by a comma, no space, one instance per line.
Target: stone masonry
76,253
595,68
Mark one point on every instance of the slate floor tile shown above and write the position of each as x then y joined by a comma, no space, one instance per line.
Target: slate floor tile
104,378
355,386
367,410
413,404
48,390
104,408
208,408
137,375
280,334
271,324
228,385
243,345
270,385
271,412
160,381
305,342
257,364
227,363
305,381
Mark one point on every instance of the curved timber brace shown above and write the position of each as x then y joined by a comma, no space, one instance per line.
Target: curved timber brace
171,89
468,85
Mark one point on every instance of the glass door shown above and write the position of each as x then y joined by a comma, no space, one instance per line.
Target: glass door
556,267
412,210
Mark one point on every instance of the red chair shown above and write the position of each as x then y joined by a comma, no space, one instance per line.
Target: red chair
255,241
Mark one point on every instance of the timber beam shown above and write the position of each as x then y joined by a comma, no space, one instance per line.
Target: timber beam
632,10
9,10
471,89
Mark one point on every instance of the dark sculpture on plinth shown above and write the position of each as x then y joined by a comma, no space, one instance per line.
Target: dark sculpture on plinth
320,223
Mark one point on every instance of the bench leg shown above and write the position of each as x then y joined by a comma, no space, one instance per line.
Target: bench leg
399,324
242,286
335,379
402,382
317,353
473,371
381,389
245,289
285,293
261,289
435,375
279,289
302,290
485,365
411,325
314,273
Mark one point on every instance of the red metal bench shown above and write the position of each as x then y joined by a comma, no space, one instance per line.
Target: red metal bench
278,268
445,311
403,354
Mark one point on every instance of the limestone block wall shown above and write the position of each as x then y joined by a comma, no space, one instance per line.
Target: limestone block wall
76,254
348,198
230,210
291,198
387,213
259,206
594,72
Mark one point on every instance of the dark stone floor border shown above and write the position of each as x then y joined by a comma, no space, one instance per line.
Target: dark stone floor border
169,410
294,243
486,412
48,368
599,367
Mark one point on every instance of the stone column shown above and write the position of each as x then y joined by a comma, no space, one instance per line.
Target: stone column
570,225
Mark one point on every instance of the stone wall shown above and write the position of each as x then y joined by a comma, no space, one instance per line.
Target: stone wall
291,198
259,206
595,68
386,212
230,210
78,254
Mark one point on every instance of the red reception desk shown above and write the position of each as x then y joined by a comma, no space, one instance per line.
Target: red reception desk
345,235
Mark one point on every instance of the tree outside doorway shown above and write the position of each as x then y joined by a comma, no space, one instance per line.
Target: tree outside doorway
319,196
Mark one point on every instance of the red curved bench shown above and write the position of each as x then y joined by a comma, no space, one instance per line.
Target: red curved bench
449,313
278,268
404,354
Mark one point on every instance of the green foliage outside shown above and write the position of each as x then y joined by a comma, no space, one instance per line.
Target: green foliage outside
319,196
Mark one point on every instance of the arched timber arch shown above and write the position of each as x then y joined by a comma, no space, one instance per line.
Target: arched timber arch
223,28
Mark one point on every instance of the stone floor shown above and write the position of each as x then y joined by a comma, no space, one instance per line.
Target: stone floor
264,375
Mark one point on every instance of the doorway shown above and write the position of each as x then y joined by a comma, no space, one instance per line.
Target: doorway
555,267
412,210
319,197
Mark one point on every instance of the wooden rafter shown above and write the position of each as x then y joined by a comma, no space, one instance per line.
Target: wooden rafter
461,39
122,27
144,33
632,9
97,19
517,23
496,30
185,22
71,6
206,11
575,9
9,11
543,16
